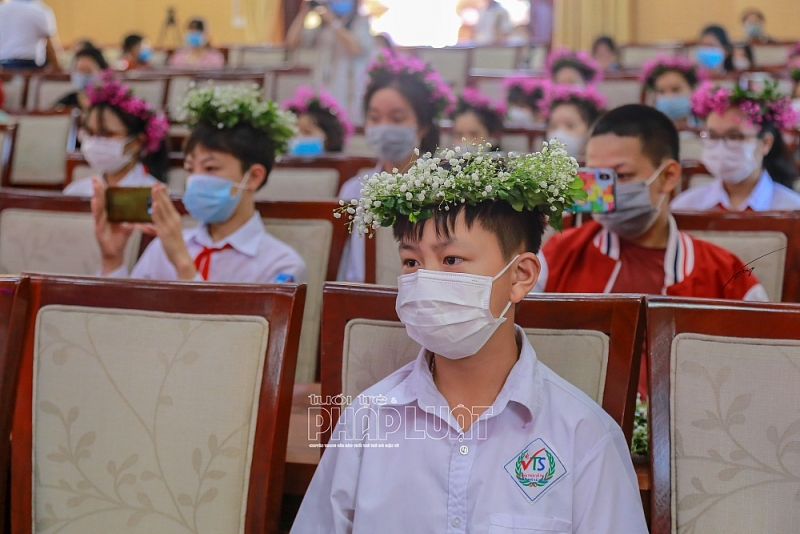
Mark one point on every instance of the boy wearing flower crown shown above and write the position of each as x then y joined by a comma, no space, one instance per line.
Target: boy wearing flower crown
235,137
475,435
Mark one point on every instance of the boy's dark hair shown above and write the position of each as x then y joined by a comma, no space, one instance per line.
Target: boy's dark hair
778,162
157,162
512,228
418,95
249,145
328,123
94,54
655,131
131,41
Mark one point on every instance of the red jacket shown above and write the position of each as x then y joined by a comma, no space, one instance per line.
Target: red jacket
586,260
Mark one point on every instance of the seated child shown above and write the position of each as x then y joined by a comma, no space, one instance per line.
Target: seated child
672,80
123,139
606,53
566,67
235,137
524,99
322,124
745,152
475,435
638,248
571,111
477,120
87,68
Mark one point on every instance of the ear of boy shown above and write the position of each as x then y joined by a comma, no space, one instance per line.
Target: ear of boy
669,179
258,175
524,277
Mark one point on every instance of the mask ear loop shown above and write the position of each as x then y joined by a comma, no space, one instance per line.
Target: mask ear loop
653,178
501,273
241,185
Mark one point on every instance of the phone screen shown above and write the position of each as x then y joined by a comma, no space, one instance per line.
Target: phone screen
129,204
601,186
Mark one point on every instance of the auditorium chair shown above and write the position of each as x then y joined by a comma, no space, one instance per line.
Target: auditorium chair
593,341
771,55
151,404
724,416
693,173
635,56
8,142
621,89
496,57
253,57
152,87
768,242
286,81
300,184
452,63
43,137
45,90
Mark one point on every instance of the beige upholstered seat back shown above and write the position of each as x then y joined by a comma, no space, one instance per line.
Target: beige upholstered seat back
375,349
620,92
771,55
691,146
357,145
40,155
53,242
300,184
287,84
14,91
143,421
178,85
750,246
312,239
495,57
3,148
262,57
151,91
387,261
48,92
633,57
451,63
735,434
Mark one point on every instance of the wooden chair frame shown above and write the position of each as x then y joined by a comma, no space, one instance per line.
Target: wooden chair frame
621,316
666,318
7,151
281,305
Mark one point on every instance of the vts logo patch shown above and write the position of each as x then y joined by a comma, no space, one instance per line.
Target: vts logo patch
535,469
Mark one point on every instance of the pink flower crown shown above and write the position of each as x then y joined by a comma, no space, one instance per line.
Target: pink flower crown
589,68
305,99
441,95
768,106
561,94
116,94
535,89
471,98
655,67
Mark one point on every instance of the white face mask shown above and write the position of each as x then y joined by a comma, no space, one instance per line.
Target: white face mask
105,155
731,161
448,313
574,142
520,117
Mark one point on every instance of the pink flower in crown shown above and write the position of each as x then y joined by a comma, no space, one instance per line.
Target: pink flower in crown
653,68
567,93
580,60
305,97
767,106
709,97
471,98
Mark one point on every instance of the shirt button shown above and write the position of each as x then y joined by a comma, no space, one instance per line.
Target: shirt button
457,522
460,437
464,450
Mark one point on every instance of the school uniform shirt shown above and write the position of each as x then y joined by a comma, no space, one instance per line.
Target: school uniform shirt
24,24
588,260
353,265
137,177
766,196
248,255
543,458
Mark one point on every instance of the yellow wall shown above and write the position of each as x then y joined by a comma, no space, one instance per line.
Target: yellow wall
107,21
663,20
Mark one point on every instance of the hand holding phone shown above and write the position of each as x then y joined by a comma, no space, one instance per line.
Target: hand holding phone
601,188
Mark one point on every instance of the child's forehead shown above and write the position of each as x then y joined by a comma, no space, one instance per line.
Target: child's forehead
200,153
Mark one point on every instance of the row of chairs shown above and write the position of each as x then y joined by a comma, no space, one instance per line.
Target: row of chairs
124,395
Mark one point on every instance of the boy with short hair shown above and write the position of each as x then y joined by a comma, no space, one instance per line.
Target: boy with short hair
638,247
475,435
230,152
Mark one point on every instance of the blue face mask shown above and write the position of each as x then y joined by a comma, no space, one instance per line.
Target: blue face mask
306,146
341,7
145,54
676,107
195,39
208,198
710,57
81,80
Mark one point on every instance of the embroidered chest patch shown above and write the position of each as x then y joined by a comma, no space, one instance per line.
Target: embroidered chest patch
535,469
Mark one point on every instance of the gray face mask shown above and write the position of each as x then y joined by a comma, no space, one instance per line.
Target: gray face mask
393,143
635,213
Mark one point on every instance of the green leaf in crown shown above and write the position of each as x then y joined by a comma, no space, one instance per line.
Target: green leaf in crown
548,476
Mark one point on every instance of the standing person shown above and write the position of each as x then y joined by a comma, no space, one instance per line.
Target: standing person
136,53
744,150
198,54
672,79
753,22
343,45
26,29
493,26
540,27
403,103
715,51
566,67
124,139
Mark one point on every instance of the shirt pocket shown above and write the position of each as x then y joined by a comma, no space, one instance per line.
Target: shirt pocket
510,524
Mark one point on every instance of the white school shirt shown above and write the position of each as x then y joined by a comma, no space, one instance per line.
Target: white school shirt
397,462
23,26
137,177
353,265
255,257
766,196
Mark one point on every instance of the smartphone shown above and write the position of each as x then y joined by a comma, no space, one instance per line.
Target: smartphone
129,204
314,4
601,186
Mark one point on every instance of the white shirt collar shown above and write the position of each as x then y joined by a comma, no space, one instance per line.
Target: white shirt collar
760,198
136,172
245,239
